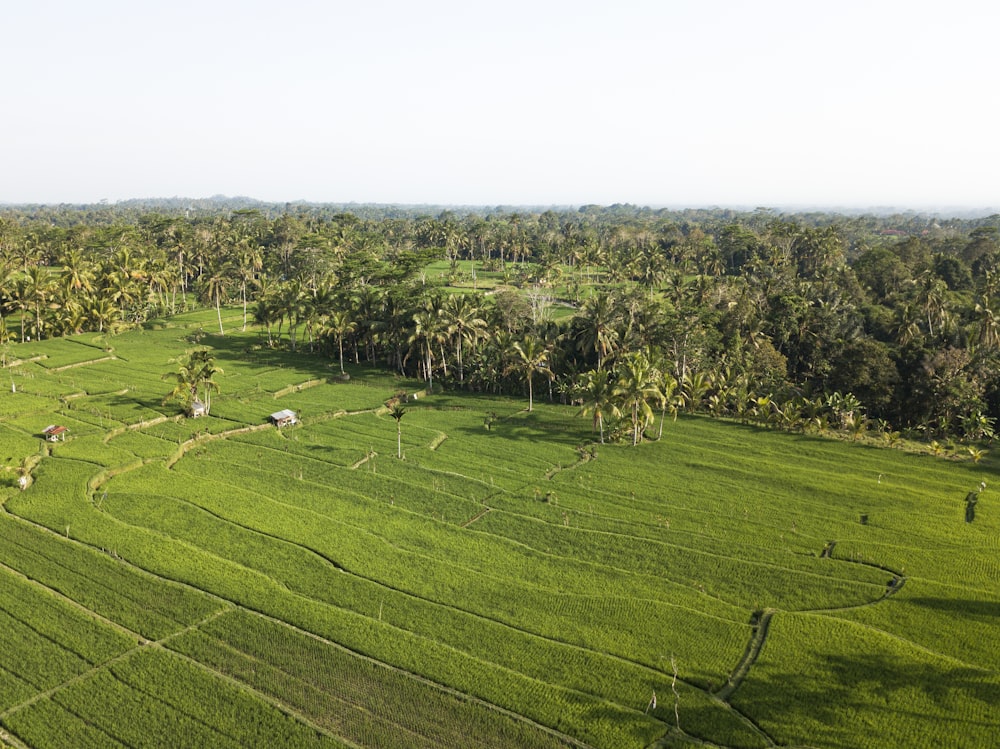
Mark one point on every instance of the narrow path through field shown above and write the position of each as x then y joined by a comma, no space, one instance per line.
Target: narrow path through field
763,620
476,517
64,367
761,625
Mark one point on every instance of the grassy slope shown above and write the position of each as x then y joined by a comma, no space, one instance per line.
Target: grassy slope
508,586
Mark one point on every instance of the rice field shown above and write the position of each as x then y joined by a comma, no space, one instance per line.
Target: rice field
220,582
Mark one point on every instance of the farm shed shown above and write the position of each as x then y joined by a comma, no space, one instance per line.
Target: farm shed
54,433
197,409
284,418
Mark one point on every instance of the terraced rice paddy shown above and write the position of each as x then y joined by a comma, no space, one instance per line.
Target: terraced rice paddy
217,582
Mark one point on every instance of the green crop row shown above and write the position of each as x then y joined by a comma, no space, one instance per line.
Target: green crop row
99,582
939,617
293,562
791,582
58,621
45,724
23,403
449,666
136,719
177,686
34,658
59,352
365,702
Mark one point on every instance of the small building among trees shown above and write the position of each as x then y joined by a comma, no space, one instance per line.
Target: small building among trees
284,418
197,408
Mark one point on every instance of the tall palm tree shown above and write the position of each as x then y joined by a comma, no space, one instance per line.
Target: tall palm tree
249,262
987,330
932,299
340,325
215,283
636,387
530,356
397,412
598,327
426,331
463,321
597,391
33,290
295,304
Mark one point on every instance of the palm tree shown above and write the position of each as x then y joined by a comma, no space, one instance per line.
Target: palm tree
77,274
33,291
249,261
694,388
932,299
214,284
102,311
294,303
597,391
426,330
194,379
398,411
637,386
530,356
598,332
987,323
339,324
670,400
462,319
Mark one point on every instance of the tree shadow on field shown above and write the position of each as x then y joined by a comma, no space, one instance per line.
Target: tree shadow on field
836,689
985,610
153,402
520,429
246,349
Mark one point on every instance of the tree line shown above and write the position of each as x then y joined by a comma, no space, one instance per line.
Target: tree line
856,323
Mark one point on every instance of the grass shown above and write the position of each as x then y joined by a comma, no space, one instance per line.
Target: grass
233,584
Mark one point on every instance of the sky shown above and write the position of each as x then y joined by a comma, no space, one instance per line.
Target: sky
541,102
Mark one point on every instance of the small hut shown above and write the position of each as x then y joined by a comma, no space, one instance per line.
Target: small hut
54,433
284,418
197,409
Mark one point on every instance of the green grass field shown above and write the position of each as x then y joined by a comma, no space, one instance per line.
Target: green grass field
217,582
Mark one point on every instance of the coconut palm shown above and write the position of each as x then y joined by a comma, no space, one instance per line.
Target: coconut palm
215,284
194,379
33,290
77,274
637,386
463,321
598,327
597,391
694,387
340,325
426,331
530,356
249,262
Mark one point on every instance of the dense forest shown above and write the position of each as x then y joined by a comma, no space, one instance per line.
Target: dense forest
865,323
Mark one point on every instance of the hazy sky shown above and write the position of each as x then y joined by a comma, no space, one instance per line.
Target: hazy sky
656,102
